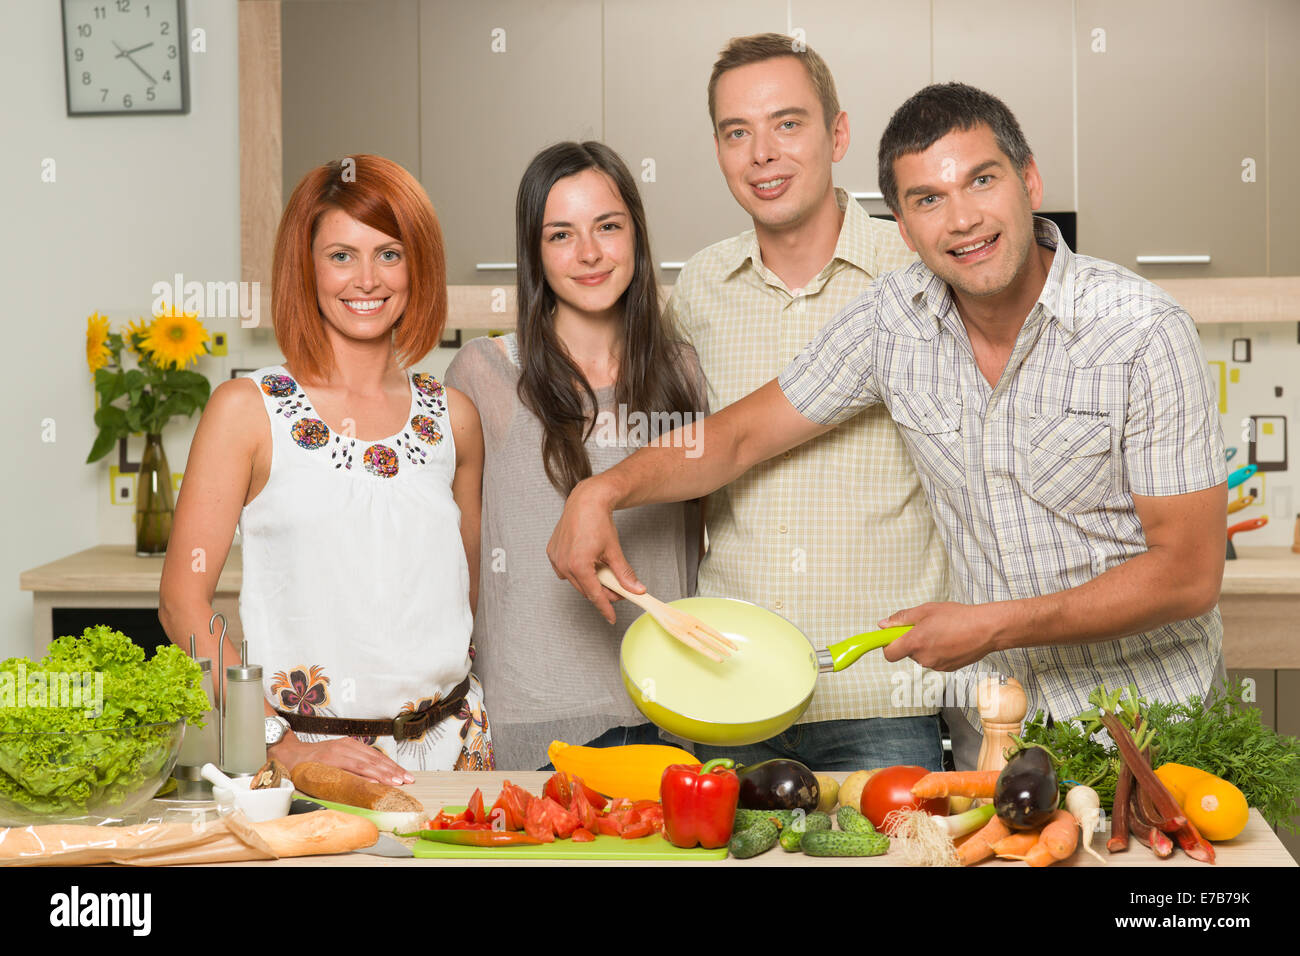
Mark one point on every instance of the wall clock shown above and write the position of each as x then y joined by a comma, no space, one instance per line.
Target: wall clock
125,56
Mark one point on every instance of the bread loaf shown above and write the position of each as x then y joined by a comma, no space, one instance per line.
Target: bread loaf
311,834
342,786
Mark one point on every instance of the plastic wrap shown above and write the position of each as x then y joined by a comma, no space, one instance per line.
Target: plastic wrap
203,838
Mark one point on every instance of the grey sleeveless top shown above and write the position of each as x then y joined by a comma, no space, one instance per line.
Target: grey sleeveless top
547,660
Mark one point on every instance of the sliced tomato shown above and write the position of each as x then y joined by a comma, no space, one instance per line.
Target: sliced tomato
563,821
466,825
586,813
609,824
559,789
537,822
517,800
583,835
597,800
641,828
474,812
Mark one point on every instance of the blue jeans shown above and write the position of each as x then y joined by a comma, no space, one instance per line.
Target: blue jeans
846,745
619,736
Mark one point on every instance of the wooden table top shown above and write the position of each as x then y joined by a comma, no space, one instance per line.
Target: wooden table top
116,567
1257,845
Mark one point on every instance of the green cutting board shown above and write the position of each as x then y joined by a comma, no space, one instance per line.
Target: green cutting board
602,848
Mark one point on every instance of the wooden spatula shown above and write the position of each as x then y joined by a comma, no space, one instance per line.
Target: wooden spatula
688,629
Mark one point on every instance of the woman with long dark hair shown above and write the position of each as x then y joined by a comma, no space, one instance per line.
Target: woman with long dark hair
592,371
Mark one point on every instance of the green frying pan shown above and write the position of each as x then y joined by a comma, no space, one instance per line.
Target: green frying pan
756,693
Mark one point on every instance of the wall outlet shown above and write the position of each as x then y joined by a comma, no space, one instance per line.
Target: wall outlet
121,487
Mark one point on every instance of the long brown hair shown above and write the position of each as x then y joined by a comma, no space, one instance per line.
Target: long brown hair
380,193
650,375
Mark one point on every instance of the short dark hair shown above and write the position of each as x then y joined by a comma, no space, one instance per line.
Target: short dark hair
932,114
759,48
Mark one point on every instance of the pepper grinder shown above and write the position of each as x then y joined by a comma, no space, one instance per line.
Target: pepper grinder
1002,706
200,745
243,726
1295,542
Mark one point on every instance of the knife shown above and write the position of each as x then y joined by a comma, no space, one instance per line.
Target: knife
384,846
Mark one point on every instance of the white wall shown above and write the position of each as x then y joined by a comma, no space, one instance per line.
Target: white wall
135,200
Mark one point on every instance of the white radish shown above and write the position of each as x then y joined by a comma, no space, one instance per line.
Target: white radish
1085,806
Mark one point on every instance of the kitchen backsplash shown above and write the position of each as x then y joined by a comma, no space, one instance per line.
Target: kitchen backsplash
1255,372
1254,369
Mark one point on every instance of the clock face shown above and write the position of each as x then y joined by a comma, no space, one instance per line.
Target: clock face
125,56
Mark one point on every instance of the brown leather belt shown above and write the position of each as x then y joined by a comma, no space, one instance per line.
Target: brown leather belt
405,726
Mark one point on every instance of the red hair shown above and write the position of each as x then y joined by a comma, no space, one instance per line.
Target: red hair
384,196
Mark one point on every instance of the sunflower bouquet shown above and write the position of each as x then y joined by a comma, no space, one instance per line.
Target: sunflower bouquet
158,389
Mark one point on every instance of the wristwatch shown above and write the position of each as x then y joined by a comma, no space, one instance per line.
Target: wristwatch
276,728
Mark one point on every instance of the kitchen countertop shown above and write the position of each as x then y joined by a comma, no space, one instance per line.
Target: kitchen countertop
1262,570
1257,845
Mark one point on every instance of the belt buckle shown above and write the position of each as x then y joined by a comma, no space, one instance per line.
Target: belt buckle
400,722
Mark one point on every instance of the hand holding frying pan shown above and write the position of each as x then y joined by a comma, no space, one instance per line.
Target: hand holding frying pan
945,635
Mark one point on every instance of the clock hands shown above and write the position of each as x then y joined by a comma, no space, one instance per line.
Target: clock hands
127,53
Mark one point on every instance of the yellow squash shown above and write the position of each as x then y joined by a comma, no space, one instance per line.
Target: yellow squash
633,771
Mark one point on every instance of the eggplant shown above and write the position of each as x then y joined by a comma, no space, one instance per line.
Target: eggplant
1026,793
778,785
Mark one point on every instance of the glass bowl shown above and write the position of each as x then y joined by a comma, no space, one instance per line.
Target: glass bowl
59,777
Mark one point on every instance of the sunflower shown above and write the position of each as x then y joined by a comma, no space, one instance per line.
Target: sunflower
138,327
97,353
175,338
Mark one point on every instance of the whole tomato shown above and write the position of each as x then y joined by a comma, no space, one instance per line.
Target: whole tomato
891,789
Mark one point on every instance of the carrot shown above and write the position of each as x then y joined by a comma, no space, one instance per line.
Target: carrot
1039,855
980,845
1061,835
971,783
1016,845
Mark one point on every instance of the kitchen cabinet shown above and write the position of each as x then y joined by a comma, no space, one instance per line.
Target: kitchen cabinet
879,53
498,82
1021,52
1172,135
659,58
1283,138
112,576
332,109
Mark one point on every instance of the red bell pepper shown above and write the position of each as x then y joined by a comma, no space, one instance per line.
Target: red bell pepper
700,803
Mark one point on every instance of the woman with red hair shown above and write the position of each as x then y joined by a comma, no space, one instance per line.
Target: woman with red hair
355,484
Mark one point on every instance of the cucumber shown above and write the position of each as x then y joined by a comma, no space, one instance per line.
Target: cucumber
839,843
757,839
792,836
747,818
851,821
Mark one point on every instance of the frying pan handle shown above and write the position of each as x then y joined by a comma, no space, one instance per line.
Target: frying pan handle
840,655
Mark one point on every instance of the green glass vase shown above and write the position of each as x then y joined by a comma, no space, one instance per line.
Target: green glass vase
154,501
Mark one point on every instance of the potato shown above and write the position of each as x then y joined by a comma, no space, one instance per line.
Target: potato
851,788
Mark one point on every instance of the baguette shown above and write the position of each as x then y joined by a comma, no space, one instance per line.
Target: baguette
312,834
341,786
153,844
